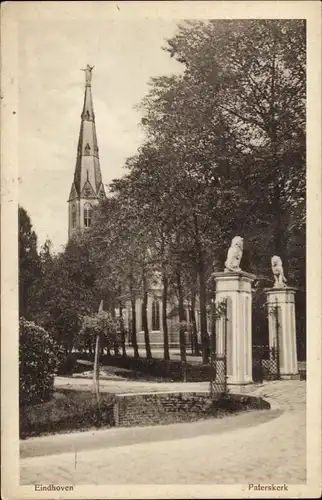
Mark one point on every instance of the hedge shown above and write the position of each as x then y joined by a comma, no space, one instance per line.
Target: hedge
158,368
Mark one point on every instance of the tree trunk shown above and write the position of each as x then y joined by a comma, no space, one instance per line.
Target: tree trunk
70,345
145,322
96,369
116,349
145,326
202,296
134,340
203,312
194,334
182,327
166,353
122,331
133,325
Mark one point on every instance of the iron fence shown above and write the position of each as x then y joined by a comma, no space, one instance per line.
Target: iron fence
218,361
218,375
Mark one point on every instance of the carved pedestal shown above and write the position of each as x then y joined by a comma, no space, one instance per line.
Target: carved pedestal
282,328
236,289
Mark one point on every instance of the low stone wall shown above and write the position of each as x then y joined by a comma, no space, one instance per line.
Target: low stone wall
166,408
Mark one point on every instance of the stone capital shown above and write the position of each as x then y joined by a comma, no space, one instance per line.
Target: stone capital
280,295
233,275
279,290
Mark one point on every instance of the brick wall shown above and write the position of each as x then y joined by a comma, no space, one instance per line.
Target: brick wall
166,408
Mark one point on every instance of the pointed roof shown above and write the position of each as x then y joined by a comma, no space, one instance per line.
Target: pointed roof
73,193
87,169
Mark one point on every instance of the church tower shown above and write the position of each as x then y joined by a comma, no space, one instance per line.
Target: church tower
87,188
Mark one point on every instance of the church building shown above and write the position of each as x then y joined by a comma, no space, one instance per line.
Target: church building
86,191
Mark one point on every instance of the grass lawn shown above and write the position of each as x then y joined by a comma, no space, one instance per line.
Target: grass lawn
68,410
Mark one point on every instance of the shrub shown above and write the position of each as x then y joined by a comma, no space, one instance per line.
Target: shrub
155,368
101,324
39,359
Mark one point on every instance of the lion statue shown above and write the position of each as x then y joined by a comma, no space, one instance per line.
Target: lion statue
277,268
234,255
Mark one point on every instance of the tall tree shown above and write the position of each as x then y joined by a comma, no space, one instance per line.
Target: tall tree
232,126
66,292
29,265
120,242
252,74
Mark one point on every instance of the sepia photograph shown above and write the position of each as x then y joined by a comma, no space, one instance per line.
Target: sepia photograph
162,251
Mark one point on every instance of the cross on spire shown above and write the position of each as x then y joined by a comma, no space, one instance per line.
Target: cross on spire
88,74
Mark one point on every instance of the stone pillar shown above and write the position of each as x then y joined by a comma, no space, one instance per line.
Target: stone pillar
236,289
282,300
186,335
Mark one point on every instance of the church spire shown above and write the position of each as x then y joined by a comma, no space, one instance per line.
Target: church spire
87,188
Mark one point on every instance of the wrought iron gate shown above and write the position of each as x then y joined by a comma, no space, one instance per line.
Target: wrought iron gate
266,358
218,361
265,363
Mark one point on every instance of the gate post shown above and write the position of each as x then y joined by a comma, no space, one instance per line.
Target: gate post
282,330
236,288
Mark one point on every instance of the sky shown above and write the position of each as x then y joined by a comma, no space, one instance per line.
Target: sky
126,54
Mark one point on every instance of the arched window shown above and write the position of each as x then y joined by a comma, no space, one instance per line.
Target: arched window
73,216
88,212
155,315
